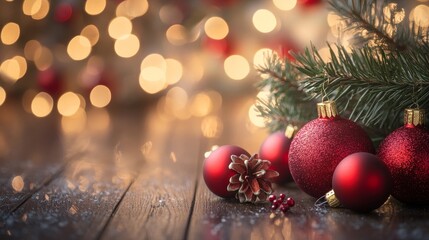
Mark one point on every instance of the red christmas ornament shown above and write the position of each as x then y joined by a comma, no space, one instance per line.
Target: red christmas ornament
309,3
63,12
362,182
283,47
320,145
406,153
50,81
216,172
222,48
275,148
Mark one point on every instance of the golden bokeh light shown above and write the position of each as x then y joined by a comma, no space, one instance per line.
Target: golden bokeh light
174,71
37,9
399,13
100,96
254,117
43,58
132,8
79,48
10,33
17,183
212,127
42,104
176,101
201,105
22,65
75,123
10,69
264,21
91,33
260,56
236,67
2,96
31,48
42,9
285,5
95,7
152,79
119,27
216,28
68,104
420,15
333,19
176,34
127,46
154,60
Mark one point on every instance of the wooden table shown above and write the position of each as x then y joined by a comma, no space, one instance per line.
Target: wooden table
133,173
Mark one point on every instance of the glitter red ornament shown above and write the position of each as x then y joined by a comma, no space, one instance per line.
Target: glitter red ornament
216,172
406,153
320,145
275,148
362,182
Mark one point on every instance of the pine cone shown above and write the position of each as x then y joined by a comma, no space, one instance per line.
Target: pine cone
253,178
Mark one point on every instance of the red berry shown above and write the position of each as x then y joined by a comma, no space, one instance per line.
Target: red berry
290,202
284,208
274,207
272,197
282,196
277,202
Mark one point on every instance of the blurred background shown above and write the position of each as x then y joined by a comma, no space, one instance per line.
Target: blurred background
188,58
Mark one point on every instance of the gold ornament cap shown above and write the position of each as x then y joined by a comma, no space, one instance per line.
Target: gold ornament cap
332,199
327,109
290,131
414,116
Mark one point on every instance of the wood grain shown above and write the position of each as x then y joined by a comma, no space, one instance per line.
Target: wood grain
158,204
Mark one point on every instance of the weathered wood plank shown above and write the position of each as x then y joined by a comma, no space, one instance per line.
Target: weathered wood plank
31,153
158,204
79,202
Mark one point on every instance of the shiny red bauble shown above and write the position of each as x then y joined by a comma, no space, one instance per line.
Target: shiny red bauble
50,81
362,182
309,3
406,153
216,172
320,145
275,148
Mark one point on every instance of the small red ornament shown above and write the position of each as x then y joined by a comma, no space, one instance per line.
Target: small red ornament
222,48
309,3
320,145
63,12
50,81
406,153
216,172
275,148
362,182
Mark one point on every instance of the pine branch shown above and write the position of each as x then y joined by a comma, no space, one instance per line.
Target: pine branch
373,89
286,102
379,23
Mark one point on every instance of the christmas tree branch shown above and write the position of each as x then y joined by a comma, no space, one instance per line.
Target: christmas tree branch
372,87
285,102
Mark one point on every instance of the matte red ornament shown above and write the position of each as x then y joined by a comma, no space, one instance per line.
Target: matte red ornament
309,3
222,47
362,182
50,81
406,153
63,12
275,148
216,172
320,145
